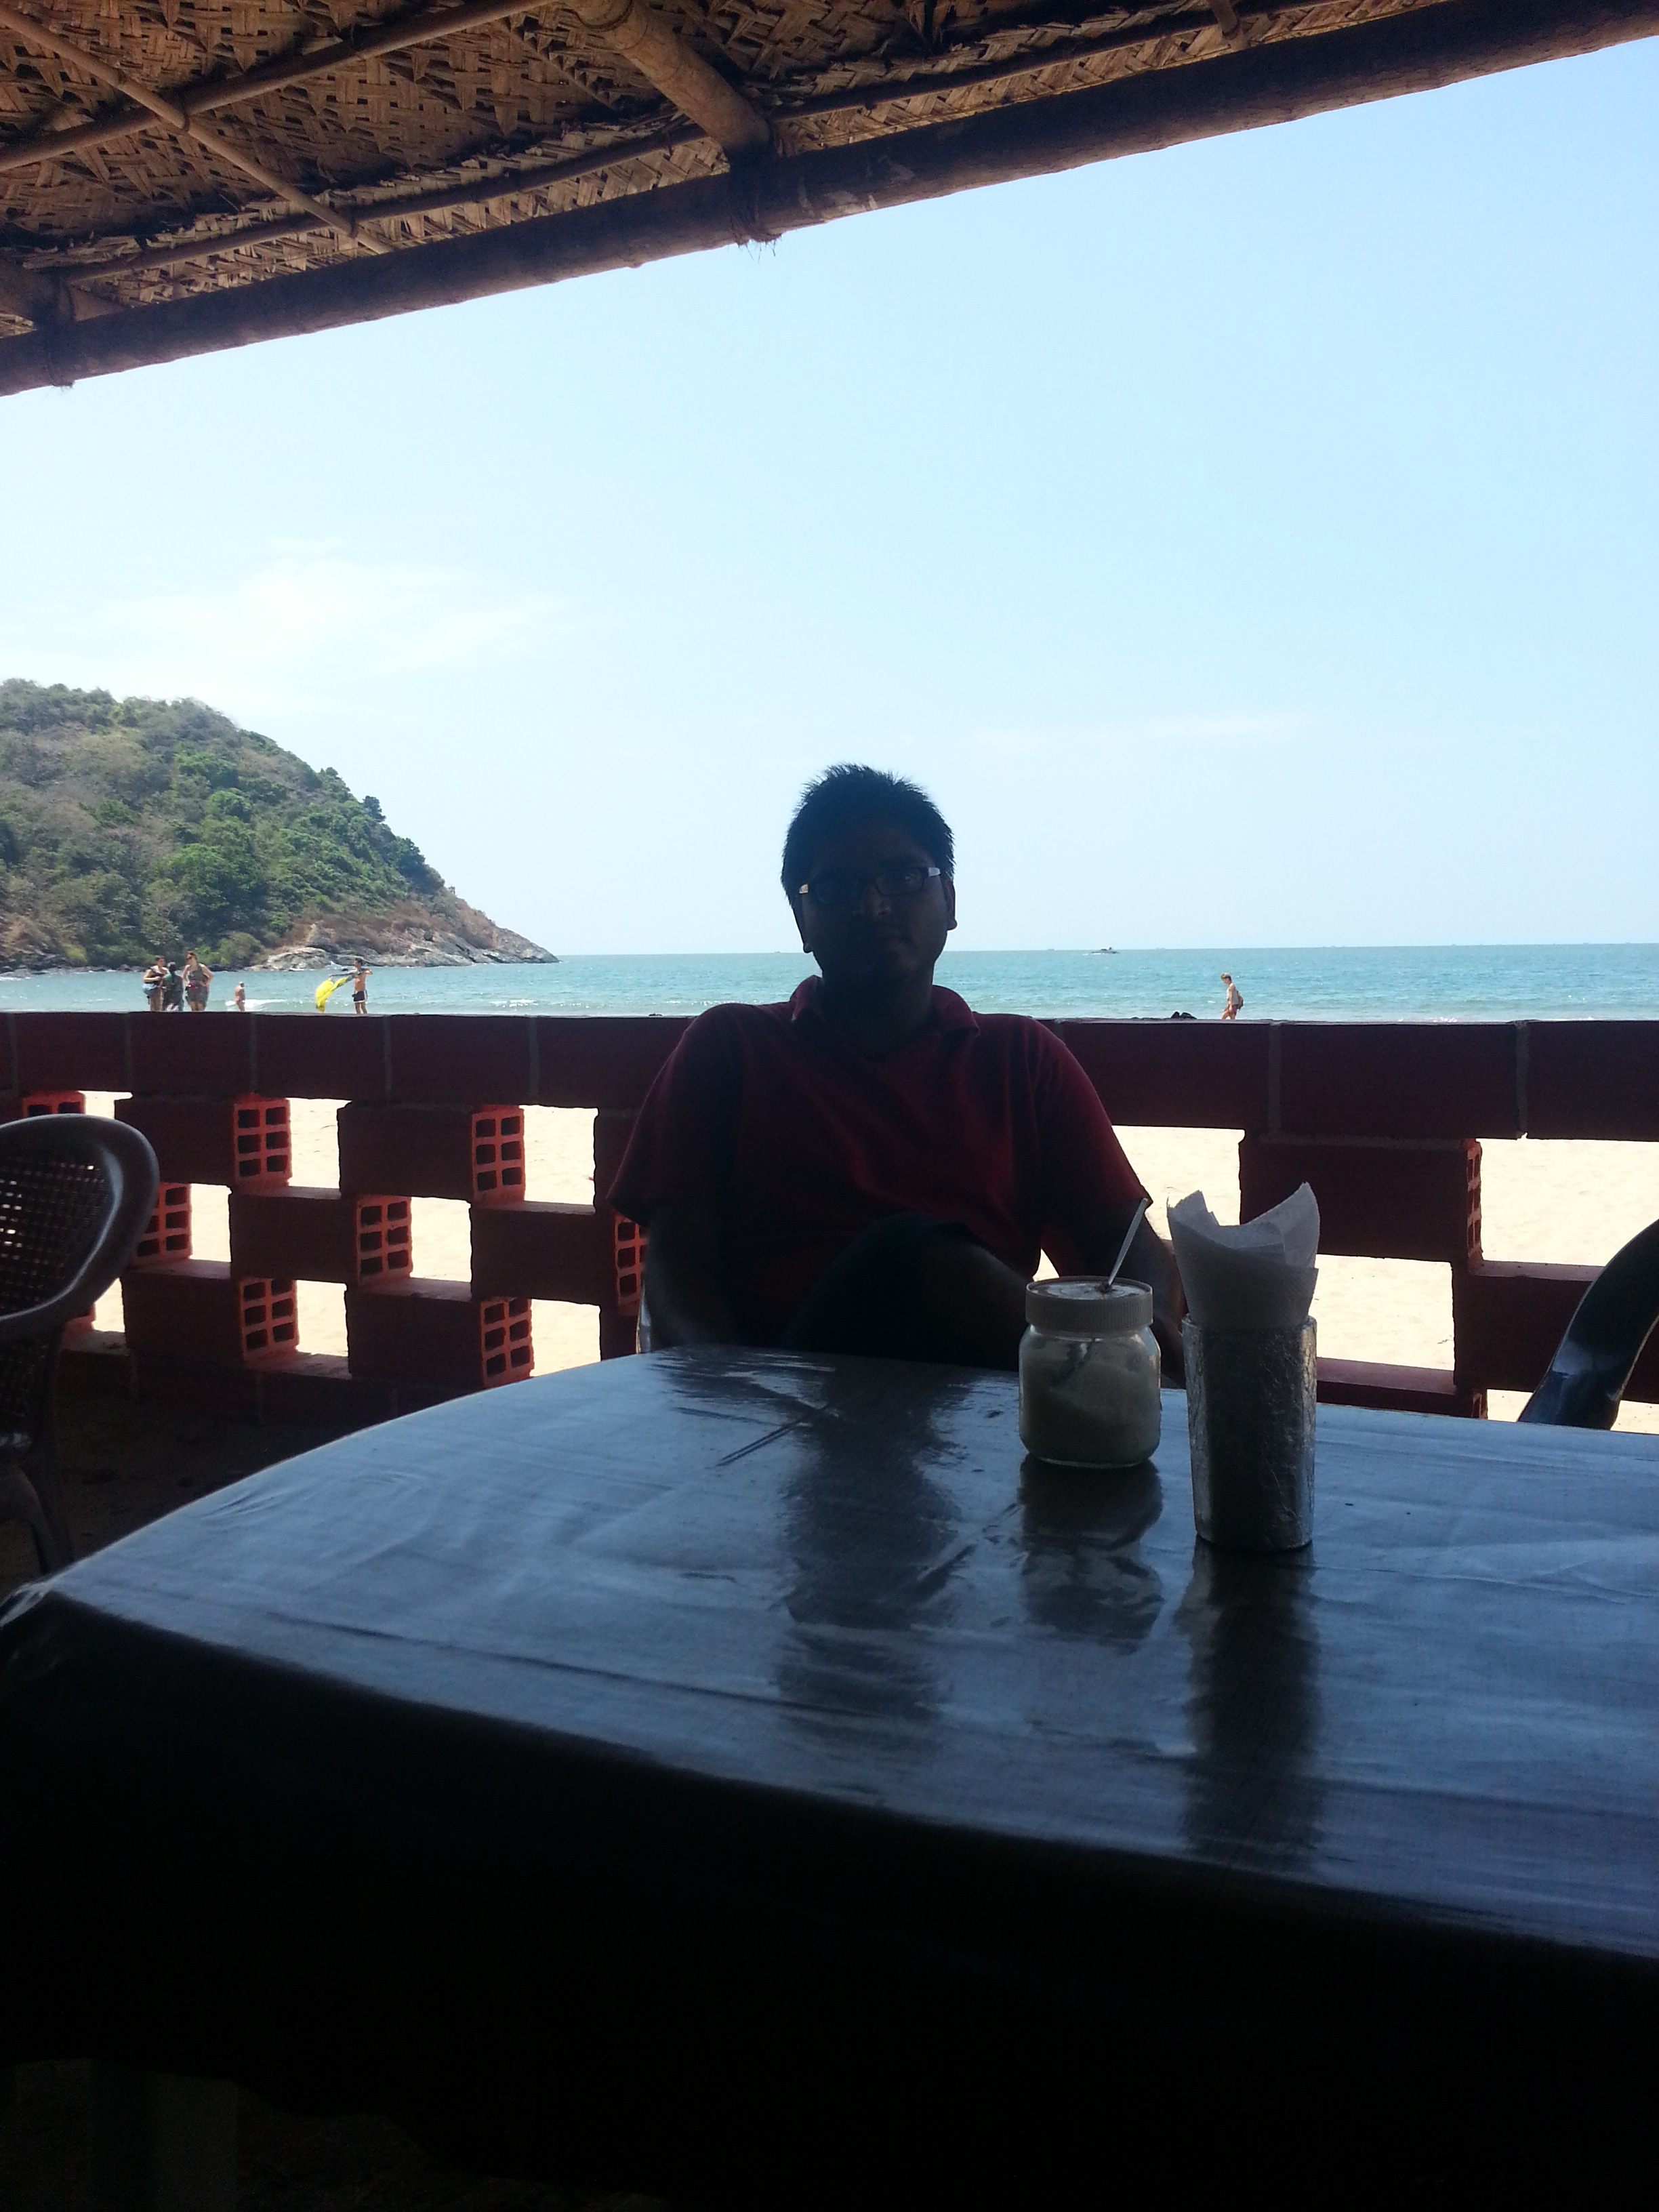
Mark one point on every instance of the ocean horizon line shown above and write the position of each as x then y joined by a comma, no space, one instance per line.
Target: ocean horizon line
958,947
1435,983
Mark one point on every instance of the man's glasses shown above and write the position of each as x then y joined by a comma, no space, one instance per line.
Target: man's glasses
847,886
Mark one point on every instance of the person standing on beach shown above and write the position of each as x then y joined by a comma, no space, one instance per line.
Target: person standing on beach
173,990
198,980
1234,1001
155,976
359,975
872,1167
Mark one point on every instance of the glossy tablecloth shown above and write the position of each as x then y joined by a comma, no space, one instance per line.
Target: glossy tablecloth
741,1777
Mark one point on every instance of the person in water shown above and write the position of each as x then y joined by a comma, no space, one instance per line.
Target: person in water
872,1167
155,976
198,980
359,975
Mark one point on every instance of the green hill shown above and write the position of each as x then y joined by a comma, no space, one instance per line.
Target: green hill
130,827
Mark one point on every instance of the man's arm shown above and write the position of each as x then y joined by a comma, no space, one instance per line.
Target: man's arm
685,1286
675,1179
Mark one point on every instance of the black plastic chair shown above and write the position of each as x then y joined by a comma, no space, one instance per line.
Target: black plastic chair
76,1193
1595,1358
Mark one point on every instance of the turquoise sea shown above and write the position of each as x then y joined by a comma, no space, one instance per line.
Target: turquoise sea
1448,983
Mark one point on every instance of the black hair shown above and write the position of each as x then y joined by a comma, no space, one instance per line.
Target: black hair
846,794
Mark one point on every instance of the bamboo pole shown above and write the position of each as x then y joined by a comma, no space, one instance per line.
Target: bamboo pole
862,98
524,177
1241,89
638,34
317,58
851,99
629,27
178,121
885,92
324,57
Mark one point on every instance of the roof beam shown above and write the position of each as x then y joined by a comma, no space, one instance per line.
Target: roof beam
46,297
316,58
523,177
323,57
538,175
1241,89
32,294
178,121
635,31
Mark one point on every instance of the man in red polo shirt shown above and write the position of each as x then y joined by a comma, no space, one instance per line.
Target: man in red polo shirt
872,1167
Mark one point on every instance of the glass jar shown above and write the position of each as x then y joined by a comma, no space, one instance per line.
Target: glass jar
1089,1373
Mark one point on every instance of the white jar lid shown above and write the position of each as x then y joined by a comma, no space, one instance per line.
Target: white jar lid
1083,1305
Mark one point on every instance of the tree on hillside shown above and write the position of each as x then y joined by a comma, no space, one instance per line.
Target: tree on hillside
133,826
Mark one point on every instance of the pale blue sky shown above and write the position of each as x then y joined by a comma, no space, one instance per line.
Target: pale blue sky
1254,543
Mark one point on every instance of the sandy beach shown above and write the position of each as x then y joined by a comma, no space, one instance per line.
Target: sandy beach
1574,1202
1568,1203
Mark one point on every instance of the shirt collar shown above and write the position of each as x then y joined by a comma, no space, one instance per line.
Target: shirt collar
950,1011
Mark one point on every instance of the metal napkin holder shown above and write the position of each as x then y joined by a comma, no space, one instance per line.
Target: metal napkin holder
1251,1402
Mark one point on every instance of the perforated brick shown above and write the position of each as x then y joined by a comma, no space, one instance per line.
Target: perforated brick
435,1336
167,1232
270,1318
30,1106
497,1155
263,1143
384,1251
242,1143
504,1342
33,1103
631,1244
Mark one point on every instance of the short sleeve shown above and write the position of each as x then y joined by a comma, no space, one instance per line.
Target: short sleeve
1086,1170
682,1146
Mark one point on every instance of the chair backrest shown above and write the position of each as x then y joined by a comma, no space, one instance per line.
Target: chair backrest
75,1192
1605,1339
54,1202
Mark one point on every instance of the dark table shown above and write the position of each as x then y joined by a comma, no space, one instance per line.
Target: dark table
738,1777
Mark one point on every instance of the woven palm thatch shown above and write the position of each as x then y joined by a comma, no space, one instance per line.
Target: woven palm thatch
177,176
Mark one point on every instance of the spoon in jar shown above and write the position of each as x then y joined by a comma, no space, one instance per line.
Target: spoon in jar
1135,1220
1080,1353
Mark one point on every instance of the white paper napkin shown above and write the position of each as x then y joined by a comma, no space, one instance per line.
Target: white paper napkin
1260,1275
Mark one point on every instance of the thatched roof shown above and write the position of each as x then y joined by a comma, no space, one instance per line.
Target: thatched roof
181,175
